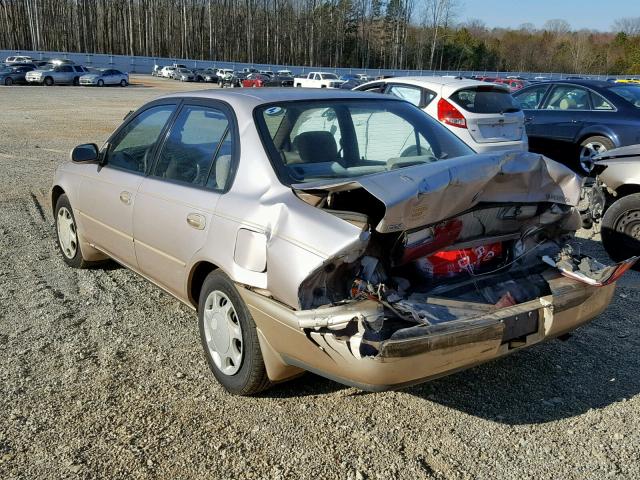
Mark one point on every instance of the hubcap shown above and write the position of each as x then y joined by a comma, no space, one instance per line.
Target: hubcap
223,333
629,224
587,152
67,235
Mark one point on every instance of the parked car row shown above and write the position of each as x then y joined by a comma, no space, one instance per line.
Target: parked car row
23,70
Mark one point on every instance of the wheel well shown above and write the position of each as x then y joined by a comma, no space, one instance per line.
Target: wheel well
198,273
56,191
589,135
627,189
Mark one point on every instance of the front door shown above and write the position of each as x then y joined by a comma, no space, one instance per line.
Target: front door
108,194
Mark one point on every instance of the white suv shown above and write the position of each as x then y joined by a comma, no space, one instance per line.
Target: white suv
483,115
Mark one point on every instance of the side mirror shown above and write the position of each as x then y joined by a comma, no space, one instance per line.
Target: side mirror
86,153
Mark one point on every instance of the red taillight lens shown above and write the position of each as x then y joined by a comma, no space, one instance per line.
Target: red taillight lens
450,115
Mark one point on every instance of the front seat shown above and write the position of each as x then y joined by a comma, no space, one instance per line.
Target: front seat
316,147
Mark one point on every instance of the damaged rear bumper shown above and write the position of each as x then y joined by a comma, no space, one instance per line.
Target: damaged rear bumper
327,341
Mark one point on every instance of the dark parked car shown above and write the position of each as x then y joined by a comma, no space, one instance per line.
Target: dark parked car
263,80
206,75
573,120
14,74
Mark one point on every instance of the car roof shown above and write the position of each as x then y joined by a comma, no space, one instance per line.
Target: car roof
269,95
437,81
582,82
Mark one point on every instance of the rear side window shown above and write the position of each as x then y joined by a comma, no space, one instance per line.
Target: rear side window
485,100
531,98
599,103
630,93
198,149
410,94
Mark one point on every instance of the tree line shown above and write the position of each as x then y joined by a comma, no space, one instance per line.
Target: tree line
395,34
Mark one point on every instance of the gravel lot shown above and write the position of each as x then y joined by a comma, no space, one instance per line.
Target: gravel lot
102,375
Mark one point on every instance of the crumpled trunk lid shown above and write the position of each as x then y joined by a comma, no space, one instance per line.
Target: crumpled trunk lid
425,194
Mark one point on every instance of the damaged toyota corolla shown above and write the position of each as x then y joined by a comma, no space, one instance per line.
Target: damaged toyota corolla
342,233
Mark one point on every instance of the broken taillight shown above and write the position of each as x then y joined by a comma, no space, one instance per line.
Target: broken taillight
450,115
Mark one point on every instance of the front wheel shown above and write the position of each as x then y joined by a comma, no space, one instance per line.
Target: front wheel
621,228
48,81
229,337
67,234
8,82
591,147
101,83
123,83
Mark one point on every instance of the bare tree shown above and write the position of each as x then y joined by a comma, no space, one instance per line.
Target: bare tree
629,25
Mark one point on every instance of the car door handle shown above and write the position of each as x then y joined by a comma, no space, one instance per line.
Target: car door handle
196,221
125,197
528,120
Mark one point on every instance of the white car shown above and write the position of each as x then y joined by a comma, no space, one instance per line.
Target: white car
318,80
483,115
166,72
18,59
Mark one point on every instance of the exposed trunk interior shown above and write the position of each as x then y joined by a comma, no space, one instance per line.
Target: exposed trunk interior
481,261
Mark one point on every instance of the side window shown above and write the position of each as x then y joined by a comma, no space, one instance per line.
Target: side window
78,69
376,88
66,68
411,94
530,98
198,149
131,149
599,103
568,97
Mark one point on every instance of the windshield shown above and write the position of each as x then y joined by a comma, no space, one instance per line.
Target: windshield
336,139
631,93
485,100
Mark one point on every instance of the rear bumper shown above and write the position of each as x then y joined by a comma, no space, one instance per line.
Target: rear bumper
288,348
520,145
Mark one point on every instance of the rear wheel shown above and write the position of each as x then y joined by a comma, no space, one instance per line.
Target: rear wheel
229,337
123,83
67,234
621,228
589,148
48,81
76,81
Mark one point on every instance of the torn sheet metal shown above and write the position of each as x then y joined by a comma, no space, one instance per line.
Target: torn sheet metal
425,194
587,270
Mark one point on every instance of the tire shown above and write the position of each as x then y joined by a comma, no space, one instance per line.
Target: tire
101,83
589,147
76,81
68,244
123,83
48,81
620,229
8,81
246,375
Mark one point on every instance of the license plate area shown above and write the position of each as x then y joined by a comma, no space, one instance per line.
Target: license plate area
518,327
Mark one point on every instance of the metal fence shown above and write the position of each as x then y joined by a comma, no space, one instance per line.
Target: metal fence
136,64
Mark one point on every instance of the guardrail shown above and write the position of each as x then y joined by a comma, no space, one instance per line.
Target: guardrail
138,64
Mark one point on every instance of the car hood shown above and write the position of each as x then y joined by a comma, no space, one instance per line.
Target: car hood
425,194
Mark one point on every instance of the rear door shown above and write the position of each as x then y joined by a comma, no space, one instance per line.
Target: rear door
562,115
418,96
174,208
491,113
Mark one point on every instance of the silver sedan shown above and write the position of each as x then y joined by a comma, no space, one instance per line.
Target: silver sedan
105,76
344,233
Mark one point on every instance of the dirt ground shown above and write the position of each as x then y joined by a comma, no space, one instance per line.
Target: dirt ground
102,375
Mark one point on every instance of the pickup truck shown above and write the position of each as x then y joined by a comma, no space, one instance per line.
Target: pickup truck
57,74
318,80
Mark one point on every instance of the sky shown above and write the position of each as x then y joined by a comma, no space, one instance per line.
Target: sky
591,14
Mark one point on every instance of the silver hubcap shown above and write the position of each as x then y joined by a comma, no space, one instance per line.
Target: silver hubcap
629,224
587,152
67,235
223,332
